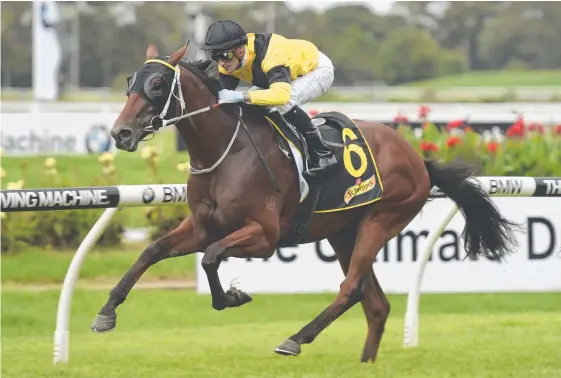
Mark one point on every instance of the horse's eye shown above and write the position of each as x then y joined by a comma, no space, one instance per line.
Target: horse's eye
156,85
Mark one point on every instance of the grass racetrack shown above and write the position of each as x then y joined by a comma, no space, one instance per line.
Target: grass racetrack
176,333
37,267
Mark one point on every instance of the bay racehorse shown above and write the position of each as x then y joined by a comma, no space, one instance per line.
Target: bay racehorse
247,194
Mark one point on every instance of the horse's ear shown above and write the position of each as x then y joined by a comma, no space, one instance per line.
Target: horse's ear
151,52
176,56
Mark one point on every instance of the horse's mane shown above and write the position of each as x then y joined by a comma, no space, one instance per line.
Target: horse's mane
207,71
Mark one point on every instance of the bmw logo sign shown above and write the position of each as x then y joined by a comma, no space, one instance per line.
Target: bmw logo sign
98,139
148,195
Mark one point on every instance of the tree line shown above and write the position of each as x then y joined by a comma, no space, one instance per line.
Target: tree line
415,41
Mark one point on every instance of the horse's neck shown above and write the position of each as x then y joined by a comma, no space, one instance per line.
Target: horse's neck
208,134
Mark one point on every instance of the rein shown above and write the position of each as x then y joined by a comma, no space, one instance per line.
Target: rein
213,167
152,129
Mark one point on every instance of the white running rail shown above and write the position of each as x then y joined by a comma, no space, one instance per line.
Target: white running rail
109,197
495,187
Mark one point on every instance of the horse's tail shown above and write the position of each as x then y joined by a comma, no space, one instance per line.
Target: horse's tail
486,231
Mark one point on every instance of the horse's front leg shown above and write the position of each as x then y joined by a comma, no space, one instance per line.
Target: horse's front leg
186,239
252,240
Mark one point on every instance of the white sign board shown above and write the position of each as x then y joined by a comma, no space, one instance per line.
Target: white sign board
312,268
56,133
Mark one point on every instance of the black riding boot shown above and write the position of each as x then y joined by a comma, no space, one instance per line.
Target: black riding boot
321,156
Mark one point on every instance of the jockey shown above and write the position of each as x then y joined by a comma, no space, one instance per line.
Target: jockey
286,73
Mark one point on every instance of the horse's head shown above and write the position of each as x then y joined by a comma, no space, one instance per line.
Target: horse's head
153,93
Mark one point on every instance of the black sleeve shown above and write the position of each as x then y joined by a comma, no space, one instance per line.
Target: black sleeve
278,74
229,82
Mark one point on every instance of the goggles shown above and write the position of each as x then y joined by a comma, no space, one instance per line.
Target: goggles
221,55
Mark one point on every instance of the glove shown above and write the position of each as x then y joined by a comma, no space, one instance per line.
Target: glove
229,96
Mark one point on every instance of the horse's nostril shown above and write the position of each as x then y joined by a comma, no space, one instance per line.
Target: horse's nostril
124,134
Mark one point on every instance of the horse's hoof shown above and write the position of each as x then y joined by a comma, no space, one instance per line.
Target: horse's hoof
236,297
104,323
288,348
219,305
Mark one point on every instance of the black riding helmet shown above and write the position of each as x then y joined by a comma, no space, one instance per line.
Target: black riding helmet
222,36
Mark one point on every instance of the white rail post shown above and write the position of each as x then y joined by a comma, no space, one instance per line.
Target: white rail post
62,332
411,329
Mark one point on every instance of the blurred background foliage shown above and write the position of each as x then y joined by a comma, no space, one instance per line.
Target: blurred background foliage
414,41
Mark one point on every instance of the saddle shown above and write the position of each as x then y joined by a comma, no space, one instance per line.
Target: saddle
354,181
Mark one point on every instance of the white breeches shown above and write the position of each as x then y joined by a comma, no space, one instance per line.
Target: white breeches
309,86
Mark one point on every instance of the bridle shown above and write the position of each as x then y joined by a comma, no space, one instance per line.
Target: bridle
161,122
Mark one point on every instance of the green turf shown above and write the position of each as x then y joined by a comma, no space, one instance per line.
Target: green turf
101,265
177,334
495,79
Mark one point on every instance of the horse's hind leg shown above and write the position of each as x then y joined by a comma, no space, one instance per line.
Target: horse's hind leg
375,303
374,231
376,308
184,240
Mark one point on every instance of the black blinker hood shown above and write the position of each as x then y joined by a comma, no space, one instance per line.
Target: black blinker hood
143,83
